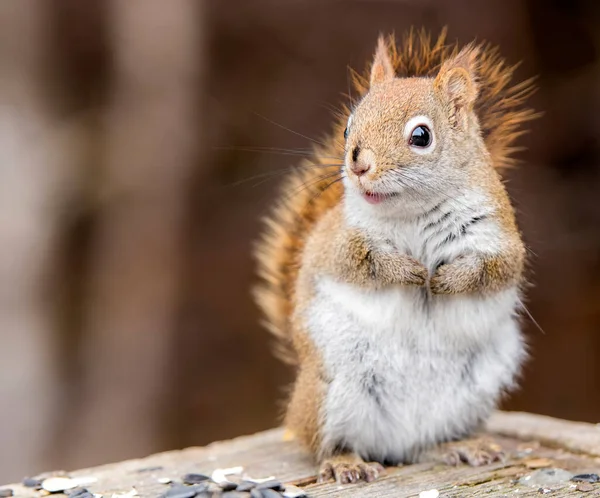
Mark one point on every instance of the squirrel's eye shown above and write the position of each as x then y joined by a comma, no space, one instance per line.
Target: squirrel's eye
420,137
346,131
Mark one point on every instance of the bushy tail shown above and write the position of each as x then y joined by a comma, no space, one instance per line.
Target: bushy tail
315,188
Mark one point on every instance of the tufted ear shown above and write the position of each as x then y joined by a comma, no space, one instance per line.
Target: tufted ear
382,69
456,82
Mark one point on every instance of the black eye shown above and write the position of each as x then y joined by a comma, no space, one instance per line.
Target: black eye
420,137
346,133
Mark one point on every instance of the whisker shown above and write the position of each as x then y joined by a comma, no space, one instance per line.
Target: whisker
280,172
408,180
533,320
277,150
267,175
290,130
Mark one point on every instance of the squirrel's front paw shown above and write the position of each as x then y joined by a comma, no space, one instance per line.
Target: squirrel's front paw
457,277
401,269
416,273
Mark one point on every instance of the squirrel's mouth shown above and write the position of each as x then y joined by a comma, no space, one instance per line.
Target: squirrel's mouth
376,198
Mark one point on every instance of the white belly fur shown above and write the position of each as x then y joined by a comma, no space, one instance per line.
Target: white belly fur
406,371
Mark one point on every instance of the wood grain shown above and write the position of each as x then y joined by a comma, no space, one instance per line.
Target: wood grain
530,441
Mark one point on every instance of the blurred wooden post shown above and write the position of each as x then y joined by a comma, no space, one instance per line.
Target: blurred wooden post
38,159
31,175
150,151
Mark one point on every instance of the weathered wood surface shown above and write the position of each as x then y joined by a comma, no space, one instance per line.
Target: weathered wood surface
531,442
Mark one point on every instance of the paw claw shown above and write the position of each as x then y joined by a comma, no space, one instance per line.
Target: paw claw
474,454
349,472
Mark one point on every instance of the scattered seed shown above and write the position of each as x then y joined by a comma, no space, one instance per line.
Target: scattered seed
259,480
228,486
431,493
200,488
32,482
276,485
164,480
180,491
75,492
87,494
133,492
220,475
246,486
585,487
269,493
150,469
586,478
6,492
58,484
291,491
194,478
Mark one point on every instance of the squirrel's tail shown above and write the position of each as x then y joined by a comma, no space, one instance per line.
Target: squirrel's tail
311,190
315,187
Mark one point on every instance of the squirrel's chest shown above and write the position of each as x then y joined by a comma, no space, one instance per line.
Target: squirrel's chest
430,246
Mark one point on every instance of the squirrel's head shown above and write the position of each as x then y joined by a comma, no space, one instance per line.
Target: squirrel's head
414,137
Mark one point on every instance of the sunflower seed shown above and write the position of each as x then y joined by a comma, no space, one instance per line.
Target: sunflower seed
194,478
227,486
586,478
246,486
220,475
293,492
75,492
269,493
180,491
58,484
276,485
32,482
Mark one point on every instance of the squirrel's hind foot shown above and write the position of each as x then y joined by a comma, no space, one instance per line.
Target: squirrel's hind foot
475,453
349,468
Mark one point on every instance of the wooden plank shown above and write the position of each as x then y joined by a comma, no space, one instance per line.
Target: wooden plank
577,437
529,440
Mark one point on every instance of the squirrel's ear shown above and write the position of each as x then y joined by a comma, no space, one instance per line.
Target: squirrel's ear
456,81
382,69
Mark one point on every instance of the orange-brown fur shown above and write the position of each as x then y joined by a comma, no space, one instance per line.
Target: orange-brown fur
348,254
308,235
310,193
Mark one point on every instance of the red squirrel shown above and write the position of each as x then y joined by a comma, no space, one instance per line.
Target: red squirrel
394,283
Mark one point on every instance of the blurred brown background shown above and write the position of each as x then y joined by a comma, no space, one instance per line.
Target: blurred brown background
127,210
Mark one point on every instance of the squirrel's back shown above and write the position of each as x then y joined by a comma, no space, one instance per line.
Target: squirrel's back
315,188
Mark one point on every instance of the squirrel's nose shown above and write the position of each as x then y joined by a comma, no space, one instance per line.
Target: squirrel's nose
359,168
